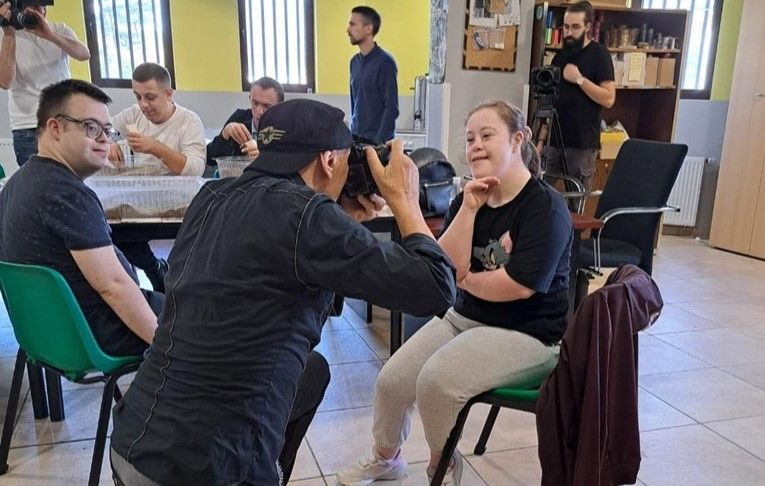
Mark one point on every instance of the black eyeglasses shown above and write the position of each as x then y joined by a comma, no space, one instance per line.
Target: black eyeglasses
94,128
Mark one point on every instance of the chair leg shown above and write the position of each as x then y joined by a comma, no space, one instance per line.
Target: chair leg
10,412
369,312
55,396
480,447
117,394
37,391
103,426
451,445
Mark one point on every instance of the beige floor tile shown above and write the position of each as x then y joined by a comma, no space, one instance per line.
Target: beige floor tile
308,482
696,455
8,345
351,385
6,377
706,395
417,476
656,356
755,332
518,467
354,312
514,429
719,347
655,414
81,409
727,312
692,290
305,465
745,432
53,465
675,319
344,347
377,338
754,374
337,323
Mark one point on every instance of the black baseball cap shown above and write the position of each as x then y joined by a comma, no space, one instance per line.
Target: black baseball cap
292,133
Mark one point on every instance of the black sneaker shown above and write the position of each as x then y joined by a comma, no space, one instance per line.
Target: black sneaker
157,275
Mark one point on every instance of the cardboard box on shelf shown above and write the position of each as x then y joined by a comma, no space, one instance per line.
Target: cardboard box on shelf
666,75
610,143
651,71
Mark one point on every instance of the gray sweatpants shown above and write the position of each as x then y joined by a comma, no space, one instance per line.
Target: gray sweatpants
580,162
442,366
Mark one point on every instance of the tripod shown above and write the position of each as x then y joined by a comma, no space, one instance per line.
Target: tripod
545,126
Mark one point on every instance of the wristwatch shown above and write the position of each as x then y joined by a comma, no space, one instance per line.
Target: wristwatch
580,80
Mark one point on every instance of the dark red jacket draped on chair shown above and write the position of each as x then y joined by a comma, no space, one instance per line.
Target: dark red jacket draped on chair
587,417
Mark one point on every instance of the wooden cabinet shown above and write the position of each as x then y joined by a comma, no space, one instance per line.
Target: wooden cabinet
738,221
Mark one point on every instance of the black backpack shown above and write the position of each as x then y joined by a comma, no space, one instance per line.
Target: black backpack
436,174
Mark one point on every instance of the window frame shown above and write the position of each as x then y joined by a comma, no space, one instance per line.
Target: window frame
91,34
310,67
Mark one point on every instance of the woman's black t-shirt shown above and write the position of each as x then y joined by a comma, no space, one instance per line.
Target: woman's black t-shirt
538,223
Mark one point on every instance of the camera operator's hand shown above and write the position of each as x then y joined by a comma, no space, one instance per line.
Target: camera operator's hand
399,184
477,192
42,29
237,131
5,12
362,208
571,73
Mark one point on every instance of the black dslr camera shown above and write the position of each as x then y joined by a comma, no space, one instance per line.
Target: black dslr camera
545,79
20,19
360,180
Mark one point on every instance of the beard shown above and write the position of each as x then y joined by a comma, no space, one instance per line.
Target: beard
354,41
572,46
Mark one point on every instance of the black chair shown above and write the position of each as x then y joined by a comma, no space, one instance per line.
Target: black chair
631,204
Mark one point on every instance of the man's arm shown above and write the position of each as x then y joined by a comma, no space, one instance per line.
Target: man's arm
7,58
68,43
603,93
389,88
105,274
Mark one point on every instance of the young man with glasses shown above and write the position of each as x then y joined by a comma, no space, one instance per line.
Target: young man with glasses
49,217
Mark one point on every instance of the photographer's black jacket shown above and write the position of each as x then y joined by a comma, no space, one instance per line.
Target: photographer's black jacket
252,279
220,147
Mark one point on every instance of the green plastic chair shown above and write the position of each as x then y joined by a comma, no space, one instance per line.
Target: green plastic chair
52,332
2,172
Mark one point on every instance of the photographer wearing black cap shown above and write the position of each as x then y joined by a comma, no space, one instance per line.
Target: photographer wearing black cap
34,53
253,276
588,86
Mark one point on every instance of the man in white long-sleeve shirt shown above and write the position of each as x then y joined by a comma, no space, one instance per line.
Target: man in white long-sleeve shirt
165,132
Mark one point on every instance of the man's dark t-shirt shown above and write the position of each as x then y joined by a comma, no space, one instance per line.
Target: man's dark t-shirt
46,211
579,115
539,226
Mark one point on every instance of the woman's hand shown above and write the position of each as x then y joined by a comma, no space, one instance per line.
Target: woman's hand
477,192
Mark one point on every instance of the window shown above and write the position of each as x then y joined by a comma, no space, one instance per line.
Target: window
125,33
699,58
276,39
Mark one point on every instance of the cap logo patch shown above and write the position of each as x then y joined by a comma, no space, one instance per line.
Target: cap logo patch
270,134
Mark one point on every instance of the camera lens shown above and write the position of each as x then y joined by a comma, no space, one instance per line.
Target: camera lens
27,20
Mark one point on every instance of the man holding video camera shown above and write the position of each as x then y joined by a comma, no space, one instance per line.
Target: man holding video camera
588,86
211,402
34,54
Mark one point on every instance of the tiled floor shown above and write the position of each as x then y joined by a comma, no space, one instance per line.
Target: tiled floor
702,393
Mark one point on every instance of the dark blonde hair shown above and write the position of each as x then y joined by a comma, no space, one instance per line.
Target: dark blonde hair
516,122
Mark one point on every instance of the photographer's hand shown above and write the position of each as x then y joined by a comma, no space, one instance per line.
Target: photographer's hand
7,50
399,184
5,12
42,29
362,208
72,47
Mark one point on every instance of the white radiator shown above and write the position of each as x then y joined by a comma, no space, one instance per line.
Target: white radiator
685,193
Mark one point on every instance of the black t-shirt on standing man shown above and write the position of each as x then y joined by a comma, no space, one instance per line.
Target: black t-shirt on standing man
579,115
538,223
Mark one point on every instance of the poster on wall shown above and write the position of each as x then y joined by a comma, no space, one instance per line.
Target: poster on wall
494,13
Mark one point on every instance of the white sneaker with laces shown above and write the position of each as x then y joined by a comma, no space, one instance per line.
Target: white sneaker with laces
453,474
372,468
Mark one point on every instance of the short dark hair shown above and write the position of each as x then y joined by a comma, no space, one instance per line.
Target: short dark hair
584,7
270,83
53,98
370,16
149,70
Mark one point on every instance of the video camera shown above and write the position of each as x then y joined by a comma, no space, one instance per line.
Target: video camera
20,19
360,180
545,85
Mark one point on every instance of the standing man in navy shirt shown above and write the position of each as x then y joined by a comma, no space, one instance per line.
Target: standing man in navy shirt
374,89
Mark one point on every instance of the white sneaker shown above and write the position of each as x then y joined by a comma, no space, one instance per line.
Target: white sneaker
453,473
372,468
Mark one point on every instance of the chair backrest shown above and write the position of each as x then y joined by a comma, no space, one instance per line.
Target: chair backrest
643,175
49,324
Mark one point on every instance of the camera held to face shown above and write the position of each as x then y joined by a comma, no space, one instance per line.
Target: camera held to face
360,180
20,19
